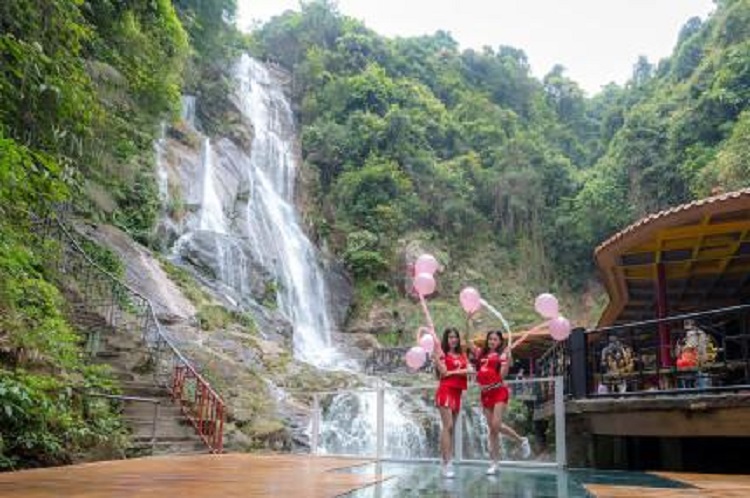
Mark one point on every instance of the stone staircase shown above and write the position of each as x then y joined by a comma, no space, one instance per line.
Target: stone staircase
122,349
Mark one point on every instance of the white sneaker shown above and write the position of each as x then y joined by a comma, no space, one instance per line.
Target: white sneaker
525,448
492,470
448,472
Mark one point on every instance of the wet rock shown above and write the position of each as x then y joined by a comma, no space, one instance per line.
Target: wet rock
143,272
340,290
379,320
227,259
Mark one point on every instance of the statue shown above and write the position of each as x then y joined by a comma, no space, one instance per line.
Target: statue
696,349
617,358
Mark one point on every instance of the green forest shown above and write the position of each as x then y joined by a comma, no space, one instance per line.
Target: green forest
503,173
509,179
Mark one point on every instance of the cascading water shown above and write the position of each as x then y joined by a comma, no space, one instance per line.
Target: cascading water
161,170
276,237
278,241
212,212
244,209
188,110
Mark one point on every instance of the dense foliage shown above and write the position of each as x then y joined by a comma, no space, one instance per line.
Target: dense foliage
83,86
412,134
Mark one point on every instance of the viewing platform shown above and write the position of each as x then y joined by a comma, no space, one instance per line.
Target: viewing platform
663,381
248,476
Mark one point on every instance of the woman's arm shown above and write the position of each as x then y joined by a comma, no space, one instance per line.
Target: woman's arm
505,364
440,365
537,331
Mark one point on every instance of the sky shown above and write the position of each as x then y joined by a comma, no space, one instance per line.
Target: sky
597,41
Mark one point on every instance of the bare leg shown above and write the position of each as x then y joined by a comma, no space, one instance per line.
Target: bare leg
508,431
446,434
493,424
499,411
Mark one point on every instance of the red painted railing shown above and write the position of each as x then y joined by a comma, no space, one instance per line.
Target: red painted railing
171,369
200,404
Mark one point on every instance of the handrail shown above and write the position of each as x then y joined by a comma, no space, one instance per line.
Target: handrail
671,318
388,387
646,375
210,409
541,396
121,397
670,392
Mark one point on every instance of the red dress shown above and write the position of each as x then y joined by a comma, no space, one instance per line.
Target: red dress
491,382
449,390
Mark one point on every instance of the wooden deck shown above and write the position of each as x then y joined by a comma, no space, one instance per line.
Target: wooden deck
702,485
224,476
248,476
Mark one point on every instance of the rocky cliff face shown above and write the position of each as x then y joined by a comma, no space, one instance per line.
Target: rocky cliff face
143,273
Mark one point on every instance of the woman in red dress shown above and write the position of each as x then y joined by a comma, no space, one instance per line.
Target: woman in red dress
492,367
452,367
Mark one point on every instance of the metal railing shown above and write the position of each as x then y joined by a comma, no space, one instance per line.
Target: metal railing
390,423
628,359
103,295
555,362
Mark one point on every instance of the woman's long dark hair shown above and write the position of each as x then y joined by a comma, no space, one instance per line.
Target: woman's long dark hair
444,343
486,348
446,335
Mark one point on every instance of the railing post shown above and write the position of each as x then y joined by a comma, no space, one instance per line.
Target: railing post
153,426
458,438
315,426
220,442
579,381
201,408
380,423
560,449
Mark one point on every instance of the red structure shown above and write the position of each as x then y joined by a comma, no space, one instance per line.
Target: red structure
201,405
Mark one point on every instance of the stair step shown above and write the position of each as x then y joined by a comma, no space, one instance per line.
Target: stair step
163,429
144,389
163,447
146,412
187,439
123,376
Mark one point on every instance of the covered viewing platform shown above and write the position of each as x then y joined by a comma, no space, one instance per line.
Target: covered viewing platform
663,381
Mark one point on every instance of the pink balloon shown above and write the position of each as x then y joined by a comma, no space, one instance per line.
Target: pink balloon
427,343
424,283
546,305
416,357
470,300
559,328
426,263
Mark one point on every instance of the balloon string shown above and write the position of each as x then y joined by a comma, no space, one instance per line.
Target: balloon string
500,316
429,319
533,331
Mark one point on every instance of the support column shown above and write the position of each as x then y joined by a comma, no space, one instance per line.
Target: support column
665,358
578,364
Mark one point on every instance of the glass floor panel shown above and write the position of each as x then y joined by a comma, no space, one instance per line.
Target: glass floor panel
424,480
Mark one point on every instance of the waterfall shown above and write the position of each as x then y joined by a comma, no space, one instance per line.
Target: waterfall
188,110
212,211
241,211
278,241
349,425
161,170
272,224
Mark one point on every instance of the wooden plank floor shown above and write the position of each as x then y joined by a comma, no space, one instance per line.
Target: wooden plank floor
704,485
224,476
